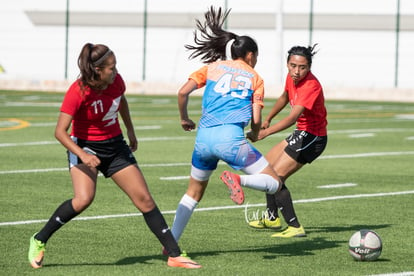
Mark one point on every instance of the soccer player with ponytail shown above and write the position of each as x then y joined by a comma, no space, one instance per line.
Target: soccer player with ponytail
304,94
233,97
96,144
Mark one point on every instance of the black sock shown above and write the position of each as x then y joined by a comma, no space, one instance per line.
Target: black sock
284,201
271,207
159,227
62,215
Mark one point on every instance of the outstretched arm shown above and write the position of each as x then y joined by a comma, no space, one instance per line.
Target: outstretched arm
186,123
281,102
126,118
255,123
286,122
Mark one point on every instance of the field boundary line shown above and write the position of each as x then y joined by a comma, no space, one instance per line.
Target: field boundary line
143,139
206,209
338,156
366,154
163,138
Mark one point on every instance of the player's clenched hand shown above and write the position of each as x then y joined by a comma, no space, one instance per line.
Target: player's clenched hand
263,133
265,124
90,160
188,124
252,136
133,142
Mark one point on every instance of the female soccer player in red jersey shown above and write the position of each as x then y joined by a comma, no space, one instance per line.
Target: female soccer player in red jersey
305,95
96,143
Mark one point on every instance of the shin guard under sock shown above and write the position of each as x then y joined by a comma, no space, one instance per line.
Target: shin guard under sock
284,201
271,207
159,227
183,214
63,214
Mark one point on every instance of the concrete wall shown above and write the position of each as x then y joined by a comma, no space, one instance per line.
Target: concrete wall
357,42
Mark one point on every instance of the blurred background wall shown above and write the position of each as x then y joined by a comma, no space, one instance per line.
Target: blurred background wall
365,48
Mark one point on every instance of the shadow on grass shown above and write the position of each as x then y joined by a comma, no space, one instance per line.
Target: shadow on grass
125,261
335,229
298,247
295,247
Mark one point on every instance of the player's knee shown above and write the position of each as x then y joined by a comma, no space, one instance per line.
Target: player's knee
80,203
200,175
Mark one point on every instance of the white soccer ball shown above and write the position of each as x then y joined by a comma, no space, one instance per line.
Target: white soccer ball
365,245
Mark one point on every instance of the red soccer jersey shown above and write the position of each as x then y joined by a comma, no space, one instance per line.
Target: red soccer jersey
309,94
95,113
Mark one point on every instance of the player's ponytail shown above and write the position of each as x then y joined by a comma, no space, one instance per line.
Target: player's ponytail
91,57
211,41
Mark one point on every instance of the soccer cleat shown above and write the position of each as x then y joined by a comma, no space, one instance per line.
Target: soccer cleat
266,223
182,261
291,232
36,252
232,182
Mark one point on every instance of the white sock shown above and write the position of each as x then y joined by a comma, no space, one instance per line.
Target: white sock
184,211
261,182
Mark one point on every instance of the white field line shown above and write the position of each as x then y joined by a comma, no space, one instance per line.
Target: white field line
347,131
207,209
169,178
367,154
49,124
147,127
65,169
339,156
51,104
361,135
340,185
405,273
375,130
41,143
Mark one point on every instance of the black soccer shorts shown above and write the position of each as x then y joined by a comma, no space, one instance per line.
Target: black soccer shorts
114,154
304,147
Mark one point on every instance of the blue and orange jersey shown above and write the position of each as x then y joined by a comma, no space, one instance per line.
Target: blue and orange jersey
231,86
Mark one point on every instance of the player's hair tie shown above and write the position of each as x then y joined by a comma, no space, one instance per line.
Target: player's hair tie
102,58
228,48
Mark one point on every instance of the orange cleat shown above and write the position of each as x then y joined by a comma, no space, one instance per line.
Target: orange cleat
232,182
182,261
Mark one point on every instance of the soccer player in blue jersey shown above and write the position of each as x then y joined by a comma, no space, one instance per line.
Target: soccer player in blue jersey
233,97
